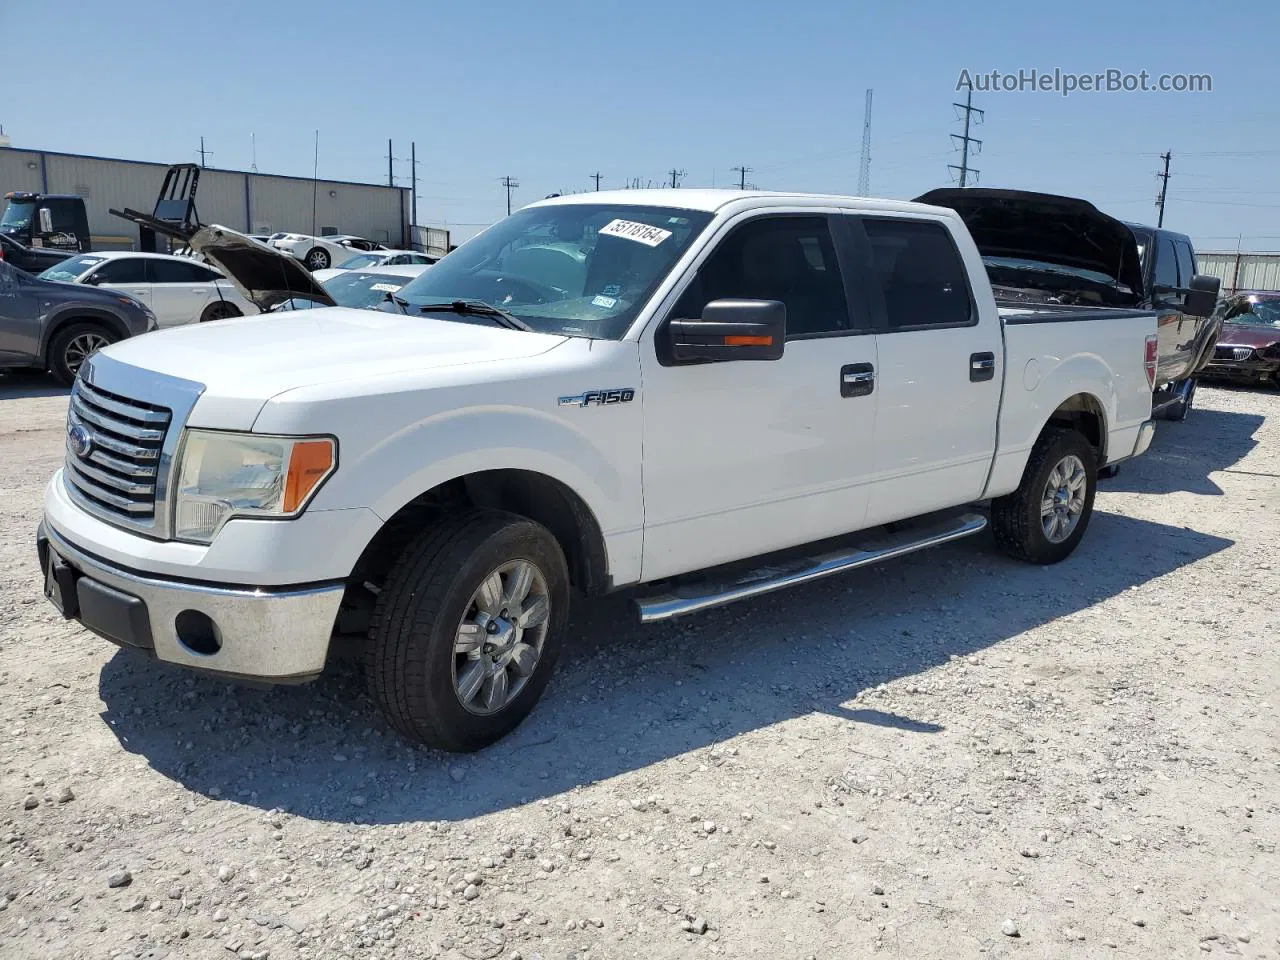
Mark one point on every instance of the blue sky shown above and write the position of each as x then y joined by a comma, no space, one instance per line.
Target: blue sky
553,91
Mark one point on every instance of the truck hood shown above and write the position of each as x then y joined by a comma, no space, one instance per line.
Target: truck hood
265,275
245,361
1042,226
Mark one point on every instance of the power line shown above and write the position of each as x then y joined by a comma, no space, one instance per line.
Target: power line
510,183
596,177
864,165
742,175
1164,186
675,176
963,170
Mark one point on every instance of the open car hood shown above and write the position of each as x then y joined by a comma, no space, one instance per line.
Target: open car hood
1064,231
264,274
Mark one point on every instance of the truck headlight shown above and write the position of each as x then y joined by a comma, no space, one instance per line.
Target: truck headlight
225,475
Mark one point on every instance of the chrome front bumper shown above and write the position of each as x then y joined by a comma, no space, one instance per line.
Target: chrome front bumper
278,635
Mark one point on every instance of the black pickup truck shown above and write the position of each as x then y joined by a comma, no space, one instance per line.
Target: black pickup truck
30,259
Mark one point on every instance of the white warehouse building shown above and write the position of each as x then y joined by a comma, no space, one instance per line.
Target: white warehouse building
250,202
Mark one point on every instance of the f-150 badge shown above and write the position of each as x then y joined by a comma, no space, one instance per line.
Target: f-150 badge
599,398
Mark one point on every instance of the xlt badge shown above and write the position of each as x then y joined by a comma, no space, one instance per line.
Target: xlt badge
592,398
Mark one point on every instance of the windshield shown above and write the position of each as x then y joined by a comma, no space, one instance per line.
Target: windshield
17,216
363,260
1093,276
1264,311
582,269
70,269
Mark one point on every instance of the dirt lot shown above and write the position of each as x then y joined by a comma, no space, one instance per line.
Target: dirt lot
949,756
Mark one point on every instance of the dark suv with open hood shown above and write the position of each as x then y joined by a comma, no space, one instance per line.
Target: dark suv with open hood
57,326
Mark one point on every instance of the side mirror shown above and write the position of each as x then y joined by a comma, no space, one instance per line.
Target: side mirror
731,330
1202,296
45,217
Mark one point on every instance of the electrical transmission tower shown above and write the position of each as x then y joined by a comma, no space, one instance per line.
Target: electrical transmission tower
1164,186
675,176
972,117
742,175
510,183
864,168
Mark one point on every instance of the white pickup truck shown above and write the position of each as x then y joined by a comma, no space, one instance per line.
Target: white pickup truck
699,396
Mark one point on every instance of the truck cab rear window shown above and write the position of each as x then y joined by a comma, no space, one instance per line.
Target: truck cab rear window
920,274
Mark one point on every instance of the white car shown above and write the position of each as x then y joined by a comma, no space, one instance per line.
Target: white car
321,253
376,259
362,289
178,290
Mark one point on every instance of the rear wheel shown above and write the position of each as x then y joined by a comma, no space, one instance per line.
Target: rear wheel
219,311
73,345
467,630
317,259
1045,518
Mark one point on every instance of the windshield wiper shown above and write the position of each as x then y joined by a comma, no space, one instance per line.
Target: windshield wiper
400,302
478,308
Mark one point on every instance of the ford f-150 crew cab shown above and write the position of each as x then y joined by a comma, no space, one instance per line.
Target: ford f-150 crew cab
696,395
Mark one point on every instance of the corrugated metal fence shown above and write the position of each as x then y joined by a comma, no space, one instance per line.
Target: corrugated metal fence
1242,271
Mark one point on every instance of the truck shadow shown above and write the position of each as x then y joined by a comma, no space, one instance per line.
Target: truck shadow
1184,456
22,384
625,696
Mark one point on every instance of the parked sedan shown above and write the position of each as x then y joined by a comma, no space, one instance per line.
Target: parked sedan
1248,349
365,289
320,253
375,259
57,326
179,290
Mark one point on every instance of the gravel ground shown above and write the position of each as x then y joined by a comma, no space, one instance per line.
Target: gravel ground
948,756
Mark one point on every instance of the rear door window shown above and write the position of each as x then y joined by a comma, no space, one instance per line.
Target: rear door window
920,274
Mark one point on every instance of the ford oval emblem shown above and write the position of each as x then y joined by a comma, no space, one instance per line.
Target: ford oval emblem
80,440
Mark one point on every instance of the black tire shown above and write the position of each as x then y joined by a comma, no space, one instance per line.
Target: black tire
220,311
1017,519
317,258
68,348
410,658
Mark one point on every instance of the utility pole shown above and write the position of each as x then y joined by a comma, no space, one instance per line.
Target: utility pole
204,153
596,177
391,170
675,177
970,112
742,176
864,167
253,151
510,183
1164,186
413,190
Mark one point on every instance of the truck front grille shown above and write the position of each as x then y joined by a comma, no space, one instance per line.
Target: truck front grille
114,451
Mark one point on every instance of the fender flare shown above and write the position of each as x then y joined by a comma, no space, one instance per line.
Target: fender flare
77,313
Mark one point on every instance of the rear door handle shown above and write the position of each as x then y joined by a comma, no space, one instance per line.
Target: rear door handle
982,366
857,379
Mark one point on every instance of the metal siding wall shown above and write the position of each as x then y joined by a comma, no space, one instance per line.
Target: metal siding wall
283,203
1257,271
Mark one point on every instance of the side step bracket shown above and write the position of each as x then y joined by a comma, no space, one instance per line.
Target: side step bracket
695,597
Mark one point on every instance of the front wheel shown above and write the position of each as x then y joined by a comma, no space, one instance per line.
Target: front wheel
317,259
73,345
467,629
1045,518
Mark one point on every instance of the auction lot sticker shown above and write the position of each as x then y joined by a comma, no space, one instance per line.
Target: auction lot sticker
639,232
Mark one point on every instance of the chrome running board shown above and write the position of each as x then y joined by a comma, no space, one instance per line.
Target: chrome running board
695,597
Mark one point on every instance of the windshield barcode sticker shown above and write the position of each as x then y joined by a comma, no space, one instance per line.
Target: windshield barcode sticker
639,232
385,287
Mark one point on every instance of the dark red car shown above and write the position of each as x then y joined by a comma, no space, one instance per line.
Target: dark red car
1248,349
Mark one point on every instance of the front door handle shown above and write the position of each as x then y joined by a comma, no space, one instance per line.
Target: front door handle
982,367
857,379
